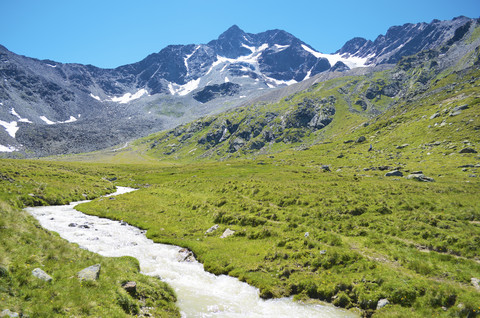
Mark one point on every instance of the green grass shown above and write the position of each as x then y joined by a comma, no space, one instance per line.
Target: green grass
25,246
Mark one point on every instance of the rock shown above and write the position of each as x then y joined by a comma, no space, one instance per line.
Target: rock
460,108
383,168
227,233
213,228
130,287
402,146
360,139
84,226
466,166
456,113
382,303
90,273
325,168
394,173
40,274
468,150
186,255
417,172
420,177
72,225
307,234
348,141
340,156
434,115
8,313
370,148
476,283
323,252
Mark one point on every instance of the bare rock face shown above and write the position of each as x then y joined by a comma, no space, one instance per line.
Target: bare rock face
90,273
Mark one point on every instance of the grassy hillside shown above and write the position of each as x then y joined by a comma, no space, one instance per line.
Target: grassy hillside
323,221
25,246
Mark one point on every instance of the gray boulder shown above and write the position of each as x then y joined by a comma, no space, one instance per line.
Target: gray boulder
213,228
185,255
227,233
468,150
8,313
360,139
382,303
460,108
420,177
130,287
394,173
90,273
402,146
476,283
40,274
434,115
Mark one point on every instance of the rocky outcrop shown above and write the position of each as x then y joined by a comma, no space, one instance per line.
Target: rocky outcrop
215,91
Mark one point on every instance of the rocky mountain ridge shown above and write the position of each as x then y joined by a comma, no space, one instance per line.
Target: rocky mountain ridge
48,107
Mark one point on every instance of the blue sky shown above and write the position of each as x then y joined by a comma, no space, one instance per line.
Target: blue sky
113,33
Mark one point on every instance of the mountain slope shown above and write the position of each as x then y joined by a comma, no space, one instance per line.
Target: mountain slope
325,111
49,108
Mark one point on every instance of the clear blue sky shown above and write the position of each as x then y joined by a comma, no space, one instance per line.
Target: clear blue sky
114,33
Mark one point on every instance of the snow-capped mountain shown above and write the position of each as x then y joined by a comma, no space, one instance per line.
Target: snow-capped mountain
48,107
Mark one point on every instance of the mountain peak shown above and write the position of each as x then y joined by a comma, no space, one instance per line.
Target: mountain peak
232,32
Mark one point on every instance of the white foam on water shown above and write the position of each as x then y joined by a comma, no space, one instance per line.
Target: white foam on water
199,293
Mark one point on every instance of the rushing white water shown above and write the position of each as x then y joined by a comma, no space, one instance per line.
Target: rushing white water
199,293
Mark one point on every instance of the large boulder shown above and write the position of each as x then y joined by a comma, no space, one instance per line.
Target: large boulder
90,273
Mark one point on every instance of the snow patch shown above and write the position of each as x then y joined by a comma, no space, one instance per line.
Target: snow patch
128,97
251,48
279,82
227,80
281,47
250,59
7,148
51,65
70,120
11,128
183,90
350,61
185,60
46,120
95,97
23,120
